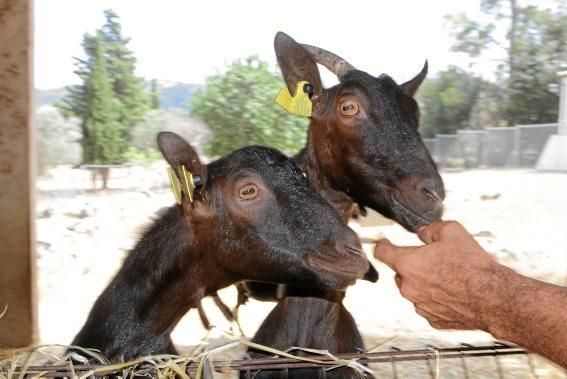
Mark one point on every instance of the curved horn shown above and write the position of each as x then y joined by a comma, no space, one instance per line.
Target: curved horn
331,61
412,85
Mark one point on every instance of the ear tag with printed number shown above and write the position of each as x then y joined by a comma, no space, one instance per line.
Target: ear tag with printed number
299,104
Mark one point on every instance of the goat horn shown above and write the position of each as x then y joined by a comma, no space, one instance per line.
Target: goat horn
331,61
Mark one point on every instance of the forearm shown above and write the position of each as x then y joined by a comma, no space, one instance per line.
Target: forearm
455,284
527,312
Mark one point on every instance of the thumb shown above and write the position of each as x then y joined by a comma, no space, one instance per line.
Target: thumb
387,252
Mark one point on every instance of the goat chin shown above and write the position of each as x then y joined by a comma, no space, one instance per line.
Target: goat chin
309,322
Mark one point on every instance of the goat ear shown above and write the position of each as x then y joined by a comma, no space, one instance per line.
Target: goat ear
372,274
410,87
296,64
179,153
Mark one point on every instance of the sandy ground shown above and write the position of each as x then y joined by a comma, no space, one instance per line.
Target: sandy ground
83,236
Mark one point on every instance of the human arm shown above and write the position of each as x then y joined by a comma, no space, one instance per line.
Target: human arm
455,284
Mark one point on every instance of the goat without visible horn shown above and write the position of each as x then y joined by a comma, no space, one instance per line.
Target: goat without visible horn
254,216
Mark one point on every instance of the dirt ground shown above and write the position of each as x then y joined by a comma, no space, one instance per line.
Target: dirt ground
517,215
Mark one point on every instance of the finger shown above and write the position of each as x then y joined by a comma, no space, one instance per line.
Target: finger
386,252
436,313
411,293
466,319
389,253
431,232
398,280
438,322
426,315
450,325
440,230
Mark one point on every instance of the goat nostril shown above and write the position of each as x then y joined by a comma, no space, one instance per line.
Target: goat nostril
431,194
354,251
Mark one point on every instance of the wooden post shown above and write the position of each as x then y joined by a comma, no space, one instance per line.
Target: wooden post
18,326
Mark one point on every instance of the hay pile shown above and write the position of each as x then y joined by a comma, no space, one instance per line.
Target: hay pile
44,361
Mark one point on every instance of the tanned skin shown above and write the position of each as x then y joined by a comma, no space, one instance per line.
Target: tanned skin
484,295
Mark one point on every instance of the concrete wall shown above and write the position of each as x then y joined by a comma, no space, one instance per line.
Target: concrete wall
17,281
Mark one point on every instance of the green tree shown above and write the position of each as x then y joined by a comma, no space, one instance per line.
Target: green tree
128,88
534,47
102,140
57,139
240,110
447,101
111,99
154,97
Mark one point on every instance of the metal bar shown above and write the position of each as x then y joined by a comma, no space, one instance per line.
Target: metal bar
469,348
514,157
301,364
499,368
464,362
270,367
394,368
282,363
498,364
259,365
248,373
432,370
531,366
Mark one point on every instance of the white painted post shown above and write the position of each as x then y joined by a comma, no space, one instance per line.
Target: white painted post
554,154
563,104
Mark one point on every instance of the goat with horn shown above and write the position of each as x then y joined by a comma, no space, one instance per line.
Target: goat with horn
363,148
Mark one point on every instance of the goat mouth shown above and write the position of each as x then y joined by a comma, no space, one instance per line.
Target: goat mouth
411,212
338,269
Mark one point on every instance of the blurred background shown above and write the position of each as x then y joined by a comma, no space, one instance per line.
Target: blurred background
125,70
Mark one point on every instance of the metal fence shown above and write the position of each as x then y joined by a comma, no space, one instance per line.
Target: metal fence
462,357
518,146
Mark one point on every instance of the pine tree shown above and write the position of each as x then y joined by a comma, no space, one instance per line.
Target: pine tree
102,141
154,97
128,88
111,99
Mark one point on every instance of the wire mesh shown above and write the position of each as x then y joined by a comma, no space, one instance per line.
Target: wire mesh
518,146
431,145
449,152
499,144
471,147
531,141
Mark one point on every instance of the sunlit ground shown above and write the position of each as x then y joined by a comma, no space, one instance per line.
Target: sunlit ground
517,215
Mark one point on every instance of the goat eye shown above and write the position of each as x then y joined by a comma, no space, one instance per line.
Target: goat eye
249,192
349,108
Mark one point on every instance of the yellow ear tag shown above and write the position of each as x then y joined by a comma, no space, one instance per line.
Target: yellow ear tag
187,183
299,104
175,185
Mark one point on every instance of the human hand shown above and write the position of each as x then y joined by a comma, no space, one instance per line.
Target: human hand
449,279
